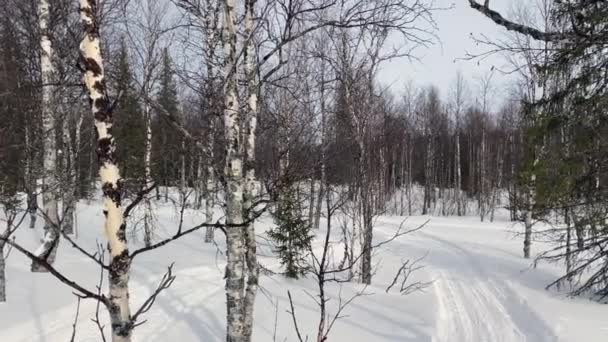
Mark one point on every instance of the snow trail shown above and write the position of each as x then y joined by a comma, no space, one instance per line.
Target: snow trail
475,303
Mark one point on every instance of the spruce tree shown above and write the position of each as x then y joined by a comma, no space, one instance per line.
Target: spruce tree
166,141
292,233
130,127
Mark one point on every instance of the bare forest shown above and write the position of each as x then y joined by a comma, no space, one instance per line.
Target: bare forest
241,170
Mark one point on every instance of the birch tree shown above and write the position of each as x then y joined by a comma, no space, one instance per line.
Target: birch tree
50,197
233,172
114,228
458,104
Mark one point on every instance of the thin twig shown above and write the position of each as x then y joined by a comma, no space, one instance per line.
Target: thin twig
293,317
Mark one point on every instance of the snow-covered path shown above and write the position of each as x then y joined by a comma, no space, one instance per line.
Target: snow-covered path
477,304
484,291
481,291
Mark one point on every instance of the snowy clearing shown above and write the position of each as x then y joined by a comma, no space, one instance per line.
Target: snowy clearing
482,290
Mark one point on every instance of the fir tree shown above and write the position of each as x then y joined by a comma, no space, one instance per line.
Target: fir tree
292,233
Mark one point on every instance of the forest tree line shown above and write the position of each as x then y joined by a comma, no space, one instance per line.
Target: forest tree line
210,99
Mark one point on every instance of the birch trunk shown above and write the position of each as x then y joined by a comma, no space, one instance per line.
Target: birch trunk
528,215
496,190
210,184
2,273
311,201
409,179
428,177
120,263
48,248
69,193
482,178
233,173
182,178
32,186
366,211
252,116
458,180
323,180
148,224
200,182
210,24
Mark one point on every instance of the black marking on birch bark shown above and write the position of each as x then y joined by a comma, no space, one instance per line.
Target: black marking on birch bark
112,192
121,233
249,164
90,64
101,115
105,151
102,103
100,87
119,327
119,267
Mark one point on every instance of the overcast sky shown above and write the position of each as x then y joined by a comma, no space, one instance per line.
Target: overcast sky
439,63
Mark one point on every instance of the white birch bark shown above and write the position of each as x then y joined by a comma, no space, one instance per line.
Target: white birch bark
69,199
48,248
148,175
233,173
2,273
210,24
32,197
120,263
483,176
182,178
210,182
528,219
250,183
323,180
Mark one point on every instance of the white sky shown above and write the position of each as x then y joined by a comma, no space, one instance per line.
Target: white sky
438,64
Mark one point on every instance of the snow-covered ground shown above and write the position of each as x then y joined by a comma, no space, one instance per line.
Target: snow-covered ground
481,290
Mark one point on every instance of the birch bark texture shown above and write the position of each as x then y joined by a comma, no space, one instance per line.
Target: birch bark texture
210,23
114,226
250,183
233,173
48,248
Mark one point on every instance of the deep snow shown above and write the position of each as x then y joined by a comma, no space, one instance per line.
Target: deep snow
482,290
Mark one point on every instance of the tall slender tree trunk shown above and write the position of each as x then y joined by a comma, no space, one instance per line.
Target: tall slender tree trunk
428,176
211,27
182,175
120,263
69,199
250,181
483,176
512,204
233,174
148,222
458,179
2,273
409,180
323,179
48,248
311,200
210,182
30,177
496,190
568,241
528,220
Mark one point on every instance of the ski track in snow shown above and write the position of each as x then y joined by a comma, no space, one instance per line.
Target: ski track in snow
474,303
477,305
